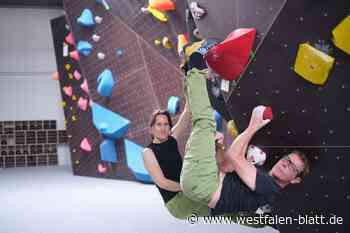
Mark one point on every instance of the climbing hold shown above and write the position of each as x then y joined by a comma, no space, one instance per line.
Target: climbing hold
119,52
83,103
98,19
173,105
104,3
70,76
75,55
232,129
161,16
85,145
95,37
267,114
70,39
105,83
77,75
74,118
84,86
64,104
341,35
55,76
67,67
74,98
108,123
84,48
218,120
312,64
162,5
101,56
134,160
107,151
86,18
157,42
166,43
229,58
101,168
68,90
181,42
255,155
65,49
77,162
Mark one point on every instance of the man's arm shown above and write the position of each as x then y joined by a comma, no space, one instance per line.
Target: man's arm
236,153
153,168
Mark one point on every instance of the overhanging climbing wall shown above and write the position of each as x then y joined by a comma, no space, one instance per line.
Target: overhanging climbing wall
79,124
309,117
145,76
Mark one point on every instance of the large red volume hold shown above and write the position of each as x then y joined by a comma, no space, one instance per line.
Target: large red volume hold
229,58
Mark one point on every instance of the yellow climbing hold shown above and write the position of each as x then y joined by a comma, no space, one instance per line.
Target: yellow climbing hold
74,98
232,129
67,66
161,16
181,42
341,35
166,42
74,118
70,76
64,104
312,64
157,42
77,162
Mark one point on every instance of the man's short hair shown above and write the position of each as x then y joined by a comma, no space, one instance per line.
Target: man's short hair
305,160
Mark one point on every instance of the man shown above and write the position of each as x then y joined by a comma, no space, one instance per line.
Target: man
238,185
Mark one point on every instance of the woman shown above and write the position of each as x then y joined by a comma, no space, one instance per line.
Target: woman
163,161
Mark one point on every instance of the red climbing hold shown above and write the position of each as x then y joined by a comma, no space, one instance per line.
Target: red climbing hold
70,39
267,113
229,58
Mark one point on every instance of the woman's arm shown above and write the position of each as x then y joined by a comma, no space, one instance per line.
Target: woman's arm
153,168
182,124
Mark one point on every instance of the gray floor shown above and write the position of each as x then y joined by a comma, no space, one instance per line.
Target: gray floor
52,200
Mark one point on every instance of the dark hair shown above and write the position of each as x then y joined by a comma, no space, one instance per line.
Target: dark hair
157,113
305,160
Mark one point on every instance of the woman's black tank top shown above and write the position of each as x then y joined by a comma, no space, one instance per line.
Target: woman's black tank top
170,161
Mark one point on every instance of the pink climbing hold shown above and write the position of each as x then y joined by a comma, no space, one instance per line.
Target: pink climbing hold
101,168
75,55
68,90
70,39
85,145
83,103
55,76
84,86
77,75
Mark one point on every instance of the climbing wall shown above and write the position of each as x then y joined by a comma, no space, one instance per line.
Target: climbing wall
78,121
308,117
145,76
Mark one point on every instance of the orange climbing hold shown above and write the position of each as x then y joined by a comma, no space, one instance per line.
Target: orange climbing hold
181,42
162,5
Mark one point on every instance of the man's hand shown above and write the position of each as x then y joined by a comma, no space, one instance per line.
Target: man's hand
219,140
257,120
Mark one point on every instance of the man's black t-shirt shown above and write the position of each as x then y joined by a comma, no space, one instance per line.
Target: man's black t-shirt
236,196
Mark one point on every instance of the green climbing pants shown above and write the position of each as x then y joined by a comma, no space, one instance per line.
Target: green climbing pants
199,176
181,207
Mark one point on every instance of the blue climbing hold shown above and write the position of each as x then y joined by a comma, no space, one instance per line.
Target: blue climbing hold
84,48
119,52
218,120
105,83
134,160
107,151
86,18
174,105
110,124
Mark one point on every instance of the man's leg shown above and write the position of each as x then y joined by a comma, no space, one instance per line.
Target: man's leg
199,176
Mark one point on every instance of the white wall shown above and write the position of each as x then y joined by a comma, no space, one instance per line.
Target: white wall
27,60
